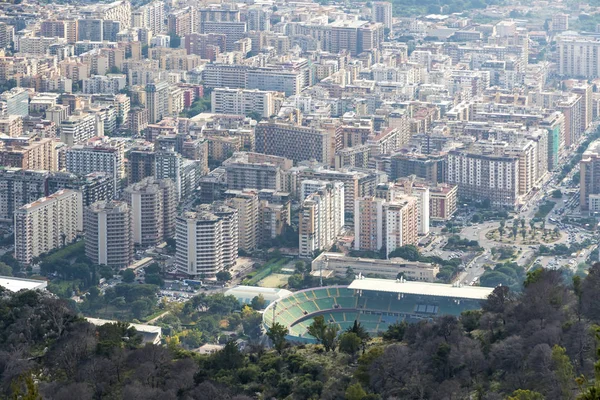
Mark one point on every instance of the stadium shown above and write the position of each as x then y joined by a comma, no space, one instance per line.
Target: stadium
375,303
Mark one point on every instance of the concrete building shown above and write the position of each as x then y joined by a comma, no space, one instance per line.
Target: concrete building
32,153
247,205
141,163
560,22
339,264
295,142
157,101
153,205
100,84
578,56
85,159
95,186
79,128
108,234
19,187
321,219
233,30
442,201
245,101
207,240
379,223
589,170
255,171
46,224
17,101
382,12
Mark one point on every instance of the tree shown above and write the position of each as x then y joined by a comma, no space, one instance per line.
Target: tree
277,333
258,302
175,41
350,343
128,276
330,337
355,392
515,229
395,331
223,276
556,194
317,328
563,369
532,227
361,332
523,233
525,395
5,269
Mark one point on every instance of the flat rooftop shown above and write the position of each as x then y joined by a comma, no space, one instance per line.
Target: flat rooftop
421,288
16,284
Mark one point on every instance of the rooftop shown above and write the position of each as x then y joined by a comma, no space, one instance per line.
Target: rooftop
421,288
16,284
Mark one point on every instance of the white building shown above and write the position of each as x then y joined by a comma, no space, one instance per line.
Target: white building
243,102
84,160
80,128
46,224
321,219
207,240
100,84
108,234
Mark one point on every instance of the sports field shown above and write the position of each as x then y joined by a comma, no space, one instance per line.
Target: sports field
274,280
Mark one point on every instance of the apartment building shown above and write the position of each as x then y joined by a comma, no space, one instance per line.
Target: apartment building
274,214
380,223
481,175
153,205
431,167
100,84
19,187
293,141
233,31
33,153
157,101
95,186
589,170
79,128
207,240
247,205
108,234
382,12
47,224
321,219
289,82
245,101
443,199
251,171
578,56
141,163
85,159
182,22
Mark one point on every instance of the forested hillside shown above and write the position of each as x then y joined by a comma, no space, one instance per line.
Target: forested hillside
541,343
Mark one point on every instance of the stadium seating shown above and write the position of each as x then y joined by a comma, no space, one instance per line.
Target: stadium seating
298,310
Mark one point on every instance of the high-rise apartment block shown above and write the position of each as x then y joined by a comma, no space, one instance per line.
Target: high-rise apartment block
151,16
247,204
207,240
182,22
108,234
382,12
141,163
589,179
33,153
255,171
245,101
85,159
46,224
560,22
79,128
153,205
578,56
379,223
292,141
157,101
19,187
321,218
95,186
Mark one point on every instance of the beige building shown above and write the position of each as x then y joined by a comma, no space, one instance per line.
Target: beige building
442,201
245,101
108,234
153,205
46,224
391,224
247,204
295,142
31,153
340,264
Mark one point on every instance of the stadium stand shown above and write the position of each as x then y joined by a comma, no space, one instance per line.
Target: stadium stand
375,303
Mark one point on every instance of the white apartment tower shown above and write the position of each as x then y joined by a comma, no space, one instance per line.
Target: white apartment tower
108,238
153,205
46,224
321,218
207,240
382,12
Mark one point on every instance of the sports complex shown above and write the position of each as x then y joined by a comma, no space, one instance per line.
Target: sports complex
375,303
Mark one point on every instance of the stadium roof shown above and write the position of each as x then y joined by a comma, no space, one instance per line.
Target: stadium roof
15,284
421,288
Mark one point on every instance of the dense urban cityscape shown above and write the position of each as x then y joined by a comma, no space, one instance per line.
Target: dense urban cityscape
299,199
